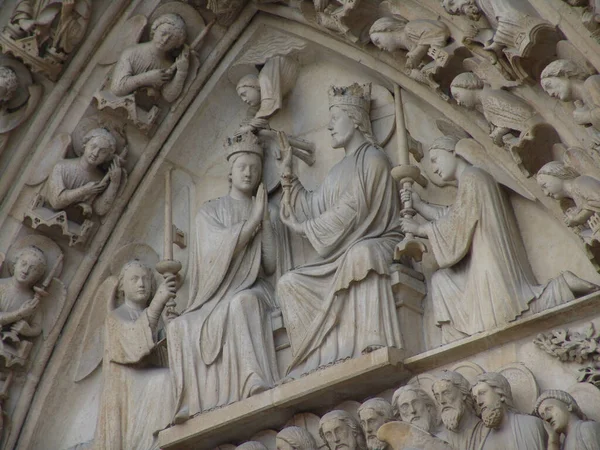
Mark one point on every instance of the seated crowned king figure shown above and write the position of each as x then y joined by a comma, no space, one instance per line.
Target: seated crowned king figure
343,304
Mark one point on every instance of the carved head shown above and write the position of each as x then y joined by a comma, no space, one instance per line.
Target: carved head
349,112
245,156
251,445
414,406
558,408
551,178
8,84
168,32
443,158
30,266
464,89
372,414
295,438
452,392
99,146
136,283
493,396
386,33
248,88
558,77
466,8
341,431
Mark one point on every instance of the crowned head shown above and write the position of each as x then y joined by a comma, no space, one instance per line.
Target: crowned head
245,156
349,111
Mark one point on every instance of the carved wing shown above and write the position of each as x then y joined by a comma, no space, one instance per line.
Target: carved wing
92,347
56,150
130,34
489,72
53,305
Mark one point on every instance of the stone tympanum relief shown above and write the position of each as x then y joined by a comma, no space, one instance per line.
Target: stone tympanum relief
372,415
352,221
423,39
31,300
148,75
507,428
513,30
339,429
77,191
221,346
42,33
475,236
123,331
19,96
559,181
295,438
566,418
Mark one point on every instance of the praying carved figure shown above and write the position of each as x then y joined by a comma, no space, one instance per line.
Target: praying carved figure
564,415
295,438
508,429
505,112
373,414
465,431
339,429
81,181
46,31
565,80
476,236
135,395
414,406
560,181
221,346
352,221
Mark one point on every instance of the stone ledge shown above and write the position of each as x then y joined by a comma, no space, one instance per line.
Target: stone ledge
588,306
324,389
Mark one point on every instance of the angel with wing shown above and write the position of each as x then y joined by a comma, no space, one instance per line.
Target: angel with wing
24,313
123,331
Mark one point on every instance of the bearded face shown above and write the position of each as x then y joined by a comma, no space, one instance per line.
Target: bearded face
492,415
490,406
451,403
451,415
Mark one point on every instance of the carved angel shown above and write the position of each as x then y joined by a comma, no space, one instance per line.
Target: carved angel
31,299
123,332
19,96
157,69
77,189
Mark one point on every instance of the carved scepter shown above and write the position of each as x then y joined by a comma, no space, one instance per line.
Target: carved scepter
168,266
405,174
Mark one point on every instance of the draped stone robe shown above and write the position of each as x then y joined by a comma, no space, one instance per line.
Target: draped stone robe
484,279
221,348
584,435
517,431
136,397
334,308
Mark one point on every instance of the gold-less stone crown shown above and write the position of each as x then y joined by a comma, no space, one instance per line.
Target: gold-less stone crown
244,143
358,95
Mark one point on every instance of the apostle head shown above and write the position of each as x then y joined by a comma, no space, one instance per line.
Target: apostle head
561,78
244,154
387,34
136,284
414,406
552,177
168,32
452,392
30,266
248,88
99,146
341,431
295,438
349,119
466,8
493,397
8,84
372,414
465,89
559,409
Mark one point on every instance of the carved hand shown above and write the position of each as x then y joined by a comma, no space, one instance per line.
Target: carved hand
259,205
289,219
409,225
29,307
157,77
167,290
408,194
114,172
286,149
182,63
93,188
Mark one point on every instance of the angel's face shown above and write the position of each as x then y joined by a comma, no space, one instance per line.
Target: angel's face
558,87
98,151
464,97
444,164
137,284
249,95
551,186
29,268
387,42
